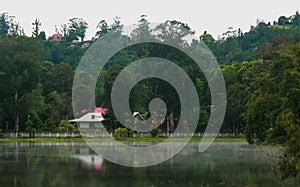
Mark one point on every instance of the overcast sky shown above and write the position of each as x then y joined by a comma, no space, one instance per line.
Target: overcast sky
215,16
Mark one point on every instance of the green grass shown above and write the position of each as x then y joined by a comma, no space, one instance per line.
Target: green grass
286,27
136,139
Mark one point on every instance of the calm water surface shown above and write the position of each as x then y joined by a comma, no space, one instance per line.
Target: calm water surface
75,164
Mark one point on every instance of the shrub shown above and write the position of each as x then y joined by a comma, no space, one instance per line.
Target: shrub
121,132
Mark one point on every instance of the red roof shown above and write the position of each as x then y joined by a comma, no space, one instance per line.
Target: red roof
57,35
101,110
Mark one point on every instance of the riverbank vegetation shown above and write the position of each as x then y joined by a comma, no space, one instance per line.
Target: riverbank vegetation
131,139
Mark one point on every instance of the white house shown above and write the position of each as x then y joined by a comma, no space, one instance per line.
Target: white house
56,37
89,121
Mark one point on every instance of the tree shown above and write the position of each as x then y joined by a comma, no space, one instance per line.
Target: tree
237,99
238,79
63,78
36,28
143,31
289,162
8,26
174,31
15,28
34,101
19,60
207,39
103,28
282,20
231,32
4,24
42,36
77,28
64,29
296,19
50,125
264,51
117,26
272,113
29,127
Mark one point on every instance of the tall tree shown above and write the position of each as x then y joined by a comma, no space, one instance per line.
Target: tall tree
116,26
4,24
143,31
103,28
9,26
77,27
18,59
36,28
174,31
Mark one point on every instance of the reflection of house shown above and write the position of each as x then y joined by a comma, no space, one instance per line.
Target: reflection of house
89,120
55,37
92,161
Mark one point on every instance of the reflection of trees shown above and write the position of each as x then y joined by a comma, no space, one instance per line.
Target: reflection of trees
223,164
38,165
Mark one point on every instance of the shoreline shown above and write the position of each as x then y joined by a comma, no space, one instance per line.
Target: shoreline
121,139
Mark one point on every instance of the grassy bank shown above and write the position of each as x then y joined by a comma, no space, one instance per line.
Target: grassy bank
136,139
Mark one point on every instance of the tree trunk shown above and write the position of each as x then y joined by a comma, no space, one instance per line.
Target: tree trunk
171,122
16,114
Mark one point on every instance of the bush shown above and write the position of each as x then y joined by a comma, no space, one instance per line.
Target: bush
249,134
65,126
155,132
121,132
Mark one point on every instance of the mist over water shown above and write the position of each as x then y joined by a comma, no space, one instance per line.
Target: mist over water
75,164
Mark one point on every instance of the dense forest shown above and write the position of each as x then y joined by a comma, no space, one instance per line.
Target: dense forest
261,68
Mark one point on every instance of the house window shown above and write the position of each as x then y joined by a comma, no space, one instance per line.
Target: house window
97,125
84,125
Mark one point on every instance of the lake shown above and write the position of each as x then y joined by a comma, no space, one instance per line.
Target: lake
35,164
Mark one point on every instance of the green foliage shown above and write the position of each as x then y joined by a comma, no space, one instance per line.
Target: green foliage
42,36
36,28
236,46
67,127
4,24
104,28
155,132
19,61
272,112
172,31
50,125
8,26
207,38
37,123
121,132
76,30
30,127
289,162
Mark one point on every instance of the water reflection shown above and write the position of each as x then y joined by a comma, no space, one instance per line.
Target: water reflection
137,154
90,161
75,164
